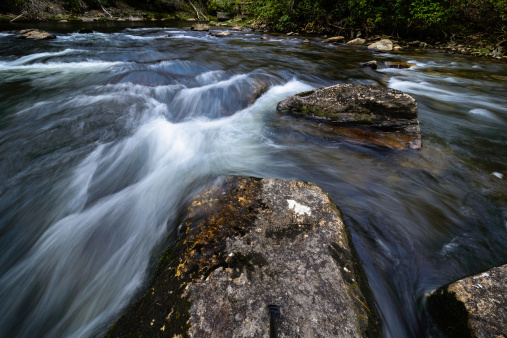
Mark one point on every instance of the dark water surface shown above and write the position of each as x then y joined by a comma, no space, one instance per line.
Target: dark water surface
104,137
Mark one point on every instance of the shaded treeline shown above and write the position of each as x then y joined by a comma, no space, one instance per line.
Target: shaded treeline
430,17
402,17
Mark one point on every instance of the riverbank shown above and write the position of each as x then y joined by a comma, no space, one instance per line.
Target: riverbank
479,45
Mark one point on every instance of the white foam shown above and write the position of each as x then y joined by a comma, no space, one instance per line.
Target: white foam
31,57
61,65
482,112
497,174
424,88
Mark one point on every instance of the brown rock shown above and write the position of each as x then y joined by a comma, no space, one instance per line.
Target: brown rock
474,306
382,45
221,34
335,39
248,243
200,27
372,64
372,107
237,28
35,34
399,64
357,41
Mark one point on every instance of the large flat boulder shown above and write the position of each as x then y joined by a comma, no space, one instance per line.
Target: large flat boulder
248,243
374,107
474,306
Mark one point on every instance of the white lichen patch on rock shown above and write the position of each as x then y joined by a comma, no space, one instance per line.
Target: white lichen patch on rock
299,209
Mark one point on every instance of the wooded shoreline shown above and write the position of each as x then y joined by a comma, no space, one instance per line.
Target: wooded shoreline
478,25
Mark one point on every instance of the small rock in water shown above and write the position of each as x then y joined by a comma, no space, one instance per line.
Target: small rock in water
221,34
35,34
497,174
372,64
334,39
200,27
357,41
382,45
85,31
306,41
399,64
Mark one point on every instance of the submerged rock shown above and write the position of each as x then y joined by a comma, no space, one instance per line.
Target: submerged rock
399,64
357,41
248,243
200,27
35,34
382,45
373,107
85,31
221,34
474,306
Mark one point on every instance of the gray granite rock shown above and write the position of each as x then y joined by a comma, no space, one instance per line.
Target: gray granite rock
248,243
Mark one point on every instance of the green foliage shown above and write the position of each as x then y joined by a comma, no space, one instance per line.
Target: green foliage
221,6
427,13
403,16
72,5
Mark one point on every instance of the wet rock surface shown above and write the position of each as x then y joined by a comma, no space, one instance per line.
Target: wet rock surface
374,107
249,243
474,306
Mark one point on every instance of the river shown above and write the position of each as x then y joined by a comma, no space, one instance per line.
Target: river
105,137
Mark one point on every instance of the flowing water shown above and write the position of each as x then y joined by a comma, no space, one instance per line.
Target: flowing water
105,137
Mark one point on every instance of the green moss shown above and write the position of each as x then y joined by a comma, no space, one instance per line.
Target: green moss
449,314
305,94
